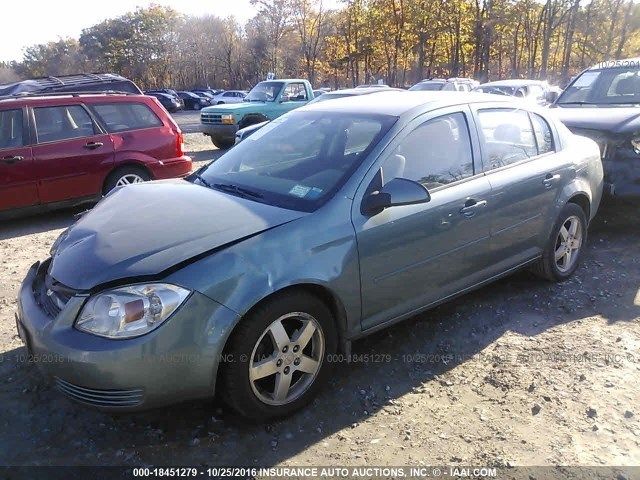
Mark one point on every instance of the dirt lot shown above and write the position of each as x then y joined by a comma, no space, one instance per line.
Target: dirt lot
522,372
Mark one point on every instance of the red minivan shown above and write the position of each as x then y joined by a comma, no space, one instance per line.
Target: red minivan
60,150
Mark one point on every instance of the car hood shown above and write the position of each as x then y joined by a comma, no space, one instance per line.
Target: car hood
142,230
243,107
613,120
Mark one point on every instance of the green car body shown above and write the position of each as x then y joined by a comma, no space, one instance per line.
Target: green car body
369,258
221,122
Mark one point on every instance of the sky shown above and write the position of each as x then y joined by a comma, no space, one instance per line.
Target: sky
26,22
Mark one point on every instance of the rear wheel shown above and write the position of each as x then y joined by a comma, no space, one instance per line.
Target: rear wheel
197,106
125,176
561,256
279,356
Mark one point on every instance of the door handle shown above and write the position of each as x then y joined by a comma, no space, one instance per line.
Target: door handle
470,207
550,179
93,145
11,159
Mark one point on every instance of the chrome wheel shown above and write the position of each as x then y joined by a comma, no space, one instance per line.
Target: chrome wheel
568,244
128,179
286,358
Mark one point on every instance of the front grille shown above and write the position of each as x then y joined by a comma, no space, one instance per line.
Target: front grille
211,118
51,296
101,398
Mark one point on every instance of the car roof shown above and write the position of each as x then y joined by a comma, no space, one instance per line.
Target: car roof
397,103
357,91
513,82
51,98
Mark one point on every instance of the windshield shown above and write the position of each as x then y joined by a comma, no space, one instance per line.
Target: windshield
299,160
614,86
427,86
264,92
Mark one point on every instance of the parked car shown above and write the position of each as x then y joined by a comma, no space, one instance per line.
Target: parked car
192,101
82,82
602,104
445,84
287,248
167,91
534,91
246,132
229,96
62,150
171,103
266,101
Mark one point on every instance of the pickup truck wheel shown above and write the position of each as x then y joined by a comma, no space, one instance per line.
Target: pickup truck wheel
562,253
125,176
280,355
222,144
251,119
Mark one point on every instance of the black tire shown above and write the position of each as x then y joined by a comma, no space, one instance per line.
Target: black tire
235,386
116,175
546,267
222,144
197,106
251,119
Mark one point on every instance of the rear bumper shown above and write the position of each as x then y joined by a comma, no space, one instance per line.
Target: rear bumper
172,168
175,362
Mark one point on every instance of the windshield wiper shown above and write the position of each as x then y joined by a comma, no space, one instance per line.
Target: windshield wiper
243,192
204,182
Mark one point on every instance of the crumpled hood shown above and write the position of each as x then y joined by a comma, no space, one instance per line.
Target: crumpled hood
613,120
147,228
240,108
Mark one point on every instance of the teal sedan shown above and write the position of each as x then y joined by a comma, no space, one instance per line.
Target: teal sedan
253,276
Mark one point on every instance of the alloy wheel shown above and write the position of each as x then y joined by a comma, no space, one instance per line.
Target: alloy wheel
286,358
128,179
568,244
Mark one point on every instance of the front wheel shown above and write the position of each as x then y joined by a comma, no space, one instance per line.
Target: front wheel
561,256
278,356
222,144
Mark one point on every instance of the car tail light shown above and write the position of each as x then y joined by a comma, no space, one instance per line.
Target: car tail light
179,144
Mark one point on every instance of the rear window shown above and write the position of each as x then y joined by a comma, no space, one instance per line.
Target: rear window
11,129
119,117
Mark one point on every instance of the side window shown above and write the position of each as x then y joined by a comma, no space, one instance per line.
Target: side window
62,123
507,136
436,153
544,138
295,92
119,117
11,129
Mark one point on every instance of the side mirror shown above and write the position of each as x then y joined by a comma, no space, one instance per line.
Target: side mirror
551,96
397,192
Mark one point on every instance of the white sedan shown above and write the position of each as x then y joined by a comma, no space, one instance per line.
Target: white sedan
229,96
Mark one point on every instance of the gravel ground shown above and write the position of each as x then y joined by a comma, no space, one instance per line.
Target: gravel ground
521,372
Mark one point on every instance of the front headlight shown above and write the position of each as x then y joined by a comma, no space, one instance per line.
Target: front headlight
227,119
635,142
130,311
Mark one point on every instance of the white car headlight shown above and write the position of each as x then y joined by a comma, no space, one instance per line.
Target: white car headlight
227,119
130,311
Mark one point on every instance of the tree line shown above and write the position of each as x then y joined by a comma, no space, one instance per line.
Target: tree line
362,41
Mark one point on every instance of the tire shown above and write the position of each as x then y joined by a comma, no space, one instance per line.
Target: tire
222,144
197,106
118,177
559,270
251,119
255,395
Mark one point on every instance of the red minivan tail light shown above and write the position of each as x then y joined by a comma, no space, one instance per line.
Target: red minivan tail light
179,144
